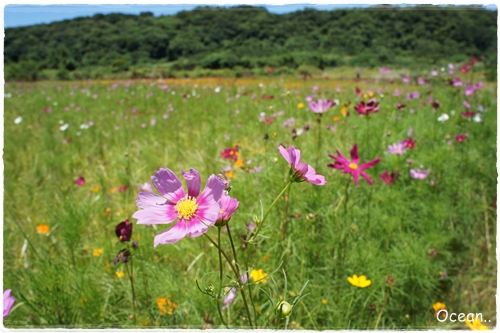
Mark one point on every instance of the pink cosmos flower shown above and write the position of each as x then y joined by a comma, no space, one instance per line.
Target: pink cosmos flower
321,106
80,181
397,148
467,105
146,187
195,212
397,92
410,143
8,302
352,167
228,206
301,171
461,137
418,174
405,79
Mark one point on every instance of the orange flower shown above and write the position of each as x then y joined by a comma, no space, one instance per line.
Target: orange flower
239,163
95,189
113,190
42,229
166,306
438,306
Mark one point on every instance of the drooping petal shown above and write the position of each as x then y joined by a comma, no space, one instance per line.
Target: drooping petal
365,176
214,186
354,154
285,154
172,235
294,156
168,184
195,228
313,178
369,164
193,181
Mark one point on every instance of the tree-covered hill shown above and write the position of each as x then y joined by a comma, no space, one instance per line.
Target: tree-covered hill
251,37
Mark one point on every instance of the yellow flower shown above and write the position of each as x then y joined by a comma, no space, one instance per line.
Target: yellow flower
120,274
371,94
300,105
239,163
165,305
438,306
476,325
42,229
360,282
324,301
258,276
230,174
336,118
107,211
97,252
365,96
344,111
96,189
113,190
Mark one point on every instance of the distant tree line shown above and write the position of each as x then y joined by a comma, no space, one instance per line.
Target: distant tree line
251,37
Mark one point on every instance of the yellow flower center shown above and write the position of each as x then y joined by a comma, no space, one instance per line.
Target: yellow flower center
353,166
186,207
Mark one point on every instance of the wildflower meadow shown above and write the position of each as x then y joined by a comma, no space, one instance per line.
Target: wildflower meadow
273,202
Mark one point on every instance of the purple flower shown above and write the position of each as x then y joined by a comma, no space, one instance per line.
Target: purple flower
321,106
8,302
289,122
123,256
383,70
415,95
124,231
405,79
152,122
229,298
397,92
301,171
244,277
418,174
309,98
467,105
195,212
397,148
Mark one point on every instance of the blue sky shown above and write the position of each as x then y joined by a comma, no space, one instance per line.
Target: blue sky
23,15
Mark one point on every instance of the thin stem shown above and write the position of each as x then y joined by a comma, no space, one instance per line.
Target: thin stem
132,285
222,252
220,282
367,132
145,281
349,308
269,210
383,307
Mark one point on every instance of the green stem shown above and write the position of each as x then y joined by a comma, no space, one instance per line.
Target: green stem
222,252
145,281
239,278
349,308
269,210
367,132
132,286
220,282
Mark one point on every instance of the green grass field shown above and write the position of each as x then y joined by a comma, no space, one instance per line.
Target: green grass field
419,242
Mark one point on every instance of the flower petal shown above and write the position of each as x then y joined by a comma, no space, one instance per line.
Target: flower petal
156,216
365,176
285,154
208,210
150,200
193,181
294,156
168,184
195,228
354,154
355,176
172,235
214,186
369,164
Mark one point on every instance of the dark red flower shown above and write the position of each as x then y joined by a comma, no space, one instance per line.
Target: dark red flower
124,231
80,181
410,143
122,188
460,137
230,153
400,106
368,108
435,104
468,114
270,70
389,178
358,91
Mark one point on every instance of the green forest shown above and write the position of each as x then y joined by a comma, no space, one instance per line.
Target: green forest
248,38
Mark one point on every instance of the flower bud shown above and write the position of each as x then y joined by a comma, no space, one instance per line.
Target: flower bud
283,309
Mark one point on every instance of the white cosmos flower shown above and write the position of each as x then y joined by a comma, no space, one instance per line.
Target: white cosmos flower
64,127
18,120
444,117
84,126
478,118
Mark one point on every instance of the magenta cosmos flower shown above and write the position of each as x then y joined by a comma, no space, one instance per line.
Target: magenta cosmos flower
301,171
352,167
419,173
195,212
321,106
8,302
368,108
